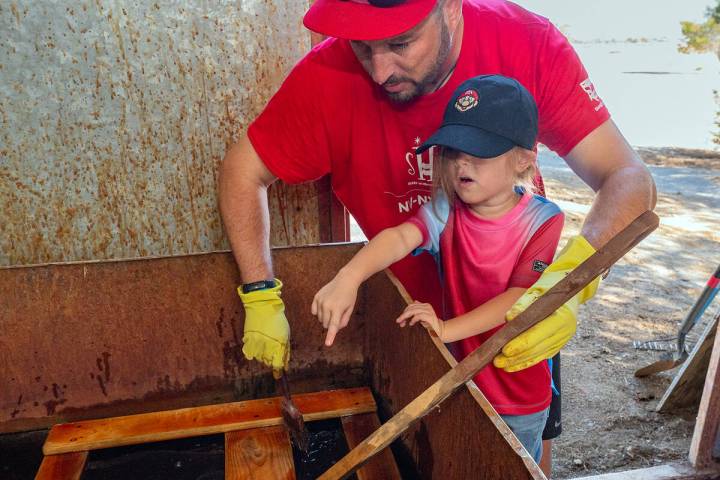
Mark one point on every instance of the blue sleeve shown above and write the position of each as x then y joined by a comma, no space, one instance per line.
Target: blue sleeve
434,216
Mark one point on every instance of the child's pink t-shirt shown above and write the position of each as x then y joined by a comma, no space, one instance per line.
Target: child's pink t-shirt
480,259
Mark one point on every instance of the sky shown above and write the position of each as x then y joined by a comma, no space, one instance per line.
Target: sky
658,96
619,18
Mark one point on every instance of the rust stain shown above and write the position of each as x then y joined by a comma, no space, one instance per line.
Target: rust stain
51,406
111,145
103,365
15,12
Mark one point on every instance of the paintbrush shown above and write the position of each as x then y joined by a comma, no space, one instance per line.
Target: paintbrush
292,417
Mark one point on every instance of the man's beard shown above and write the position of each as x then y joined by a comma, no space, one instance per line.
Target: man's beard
430,80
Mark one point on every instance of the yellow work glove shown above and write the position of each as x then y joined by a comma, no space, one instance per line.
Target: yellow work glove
547,337
267,334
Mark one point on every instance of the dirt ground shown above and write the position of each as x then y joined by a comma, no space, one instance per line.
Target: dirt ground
609,422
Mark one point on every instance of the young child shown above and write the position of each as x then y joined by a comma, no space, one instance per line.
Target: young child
490,236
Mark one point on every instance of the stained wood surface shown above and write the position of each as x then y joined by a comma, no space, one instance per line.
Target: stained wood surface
381,467
405,361
575,281
708,418
190,422
67,466
185,345
259,453
687,385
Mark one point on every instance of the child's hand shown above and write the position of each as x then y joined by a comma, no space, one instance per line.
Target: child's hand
424,313
334,304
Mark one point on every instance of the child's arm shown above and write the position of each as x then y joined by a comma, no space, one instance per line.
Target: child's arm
334,303
479,320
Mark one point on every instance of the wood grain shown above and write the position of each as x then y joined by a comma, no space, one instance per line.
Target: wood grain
575,281
67,466
259,453
708,419
686,387
406,361
357,428
190,422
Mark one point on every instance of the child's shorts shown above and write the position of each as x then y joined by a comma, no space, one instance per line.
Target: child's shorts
528,429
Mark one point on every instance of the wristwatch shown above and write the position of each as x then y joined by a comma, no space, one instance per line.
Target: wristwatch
261,285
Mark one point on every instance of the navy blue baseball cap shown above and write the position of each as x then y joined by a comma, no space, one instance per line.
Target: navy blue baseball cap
487,116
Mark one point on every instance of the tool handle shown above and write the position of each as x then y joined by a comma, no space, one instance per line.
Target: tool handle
701,304
563,291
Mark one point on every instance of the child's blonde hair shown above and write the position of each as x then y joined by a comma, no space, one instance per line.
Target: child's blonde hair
443,184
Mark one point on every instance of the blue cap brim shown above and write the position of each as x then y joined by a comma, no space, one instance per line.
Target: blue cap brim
471,140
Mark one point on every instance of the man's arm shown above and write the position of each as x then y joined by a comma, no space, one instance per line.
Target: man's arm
243,184
623,185
244,179
624,189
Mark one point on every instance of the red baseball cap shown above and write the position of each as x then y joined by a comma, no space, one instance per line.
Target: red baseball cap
366,19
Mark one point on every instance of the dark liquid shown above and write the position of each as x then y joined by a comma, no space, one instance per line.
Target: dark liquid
327,446
197,458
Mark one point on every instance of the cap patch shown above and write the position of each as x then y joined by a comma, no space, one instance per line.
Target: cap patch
466,101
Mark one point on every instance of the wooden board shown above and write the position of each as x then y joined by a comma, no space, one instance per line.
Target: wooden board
686,388
357,428
191,422
259,453
406,361
708,419
67,466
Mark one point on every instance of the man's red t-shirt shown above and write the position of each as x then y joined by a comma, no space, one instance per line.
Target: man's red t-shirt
329,117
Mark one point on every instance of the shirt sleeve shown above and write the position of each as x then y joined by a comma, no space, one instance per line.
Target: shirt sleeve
431,219
291,135
569,107
538,253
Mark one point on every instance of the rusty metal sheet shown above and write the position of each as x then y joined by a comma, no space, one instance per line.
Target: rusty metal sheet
114,116
112,337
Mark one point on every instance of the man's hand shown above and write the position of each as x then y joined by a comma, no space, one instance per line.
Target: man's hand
334,303
267,334
545,339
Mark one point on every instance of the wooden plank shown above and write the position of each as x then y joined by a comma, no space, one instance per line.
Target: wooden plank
444,387
67,466
412,358
191,422
673,471
357,428
259,453
708,418
686,387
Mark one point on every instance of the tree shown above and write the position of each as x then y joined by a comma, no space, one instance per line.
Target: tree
702,37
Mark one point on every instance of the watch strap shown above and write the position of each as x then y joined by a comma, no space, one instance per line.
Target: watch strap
261,285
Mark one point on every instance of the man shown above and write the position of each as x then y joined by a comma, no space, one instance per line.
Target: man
358,106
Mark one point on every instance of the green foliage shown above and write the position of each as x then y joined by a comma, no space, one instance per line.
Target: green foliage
702,37
714,13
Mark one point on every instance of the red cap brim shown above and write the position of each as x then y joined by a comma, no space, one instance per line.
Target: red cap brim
353,20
